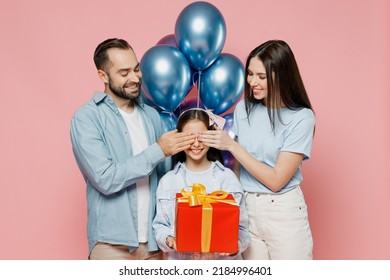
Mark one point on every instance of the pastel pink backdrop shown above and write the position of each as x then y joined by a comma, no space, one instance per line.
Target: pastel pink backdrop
47,72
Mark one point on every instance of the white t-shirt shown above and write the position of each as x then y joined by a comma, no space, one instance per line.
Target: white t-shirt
139,143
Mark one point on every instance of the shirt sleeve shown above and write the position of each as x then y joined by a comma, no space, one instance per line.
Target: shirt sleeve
96,163
163,223
300,137
234,128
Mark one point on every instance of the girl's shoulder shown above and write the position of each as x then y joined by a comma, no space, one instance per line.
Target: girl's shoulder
226,173
223,168
169,185
168,178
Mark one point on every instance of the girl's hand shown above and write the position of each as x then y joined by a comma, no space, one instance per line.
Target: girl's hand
171,242
229,254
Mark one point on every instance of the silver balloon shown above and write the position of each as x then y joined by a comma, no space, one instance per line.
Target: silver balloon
166,76
200,32
222,84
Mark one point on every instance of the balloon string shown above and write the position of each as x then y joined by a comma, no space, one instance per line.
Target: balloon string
193,78
199,74
171,114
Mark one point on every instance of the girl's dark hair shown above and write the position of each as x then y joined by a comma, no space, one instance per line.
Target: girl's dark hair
100,56
200,115
284,81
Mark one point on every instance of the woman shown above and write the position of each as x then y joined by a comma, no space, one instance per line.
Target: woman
274,128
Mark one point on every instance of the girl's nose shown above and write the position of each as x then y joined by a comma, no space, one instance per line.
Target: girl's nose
197,141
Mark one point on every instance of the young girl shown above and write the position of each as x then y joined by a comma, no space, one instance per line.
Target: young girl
198,164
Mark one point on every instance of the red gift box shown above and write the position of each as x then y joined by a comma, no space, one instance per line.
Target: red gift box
202,228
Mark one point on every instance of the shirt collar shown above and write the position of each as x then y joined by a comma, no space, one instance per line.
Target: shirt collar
180,165
220,165
99,96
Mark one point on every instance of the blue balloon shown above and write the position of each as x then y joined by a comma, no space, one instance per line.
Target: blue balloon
169,120
222,84
188,103
166,76
169,40
229,124
200,32
228,159
146,100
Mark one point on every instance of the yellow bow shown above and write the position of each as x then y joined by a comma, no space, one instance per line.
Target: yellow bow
198,195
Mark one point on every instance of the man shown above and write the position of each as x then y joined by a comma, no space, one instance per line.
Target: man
120,148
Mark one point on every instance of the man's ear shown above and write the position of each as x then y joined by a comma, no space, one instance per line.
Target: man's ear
103,76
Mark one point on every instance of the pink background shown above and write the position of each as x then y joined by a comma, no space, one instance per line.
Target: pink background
47,72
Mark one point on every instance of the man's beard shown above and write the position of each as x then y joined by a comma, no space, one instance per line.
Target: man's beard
121,92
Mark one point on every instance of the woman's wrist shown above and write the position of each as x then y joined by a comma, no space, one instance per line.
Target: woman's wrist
232,147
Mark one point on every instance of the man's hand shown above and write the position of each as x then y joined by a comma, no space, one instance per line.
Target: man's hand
173,142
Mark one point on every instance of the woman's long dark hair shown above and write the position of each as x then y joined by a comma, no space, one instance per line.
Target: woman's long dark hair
200,115
284,82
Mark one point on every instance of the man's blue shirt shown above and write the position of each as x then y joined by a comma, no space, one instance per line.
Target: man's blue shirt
103,152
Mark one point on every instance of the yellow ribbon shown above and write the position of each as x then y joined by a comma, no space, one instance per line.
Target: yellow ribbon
198,196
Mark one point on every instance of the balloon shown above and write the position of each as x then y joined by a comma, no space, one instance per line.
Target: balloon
229,124
228,159
166,76
169,120
194,76
146,100
222,84
200,32
169,40
188,103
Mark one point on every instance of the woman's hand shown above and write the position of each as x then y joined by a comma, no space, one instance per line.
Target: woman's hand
218,139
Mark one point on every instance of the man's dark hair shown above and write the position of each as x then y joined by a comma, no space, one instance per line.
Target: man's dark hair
100,56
